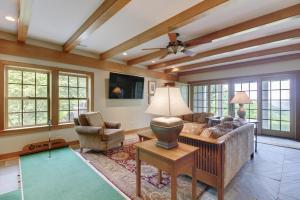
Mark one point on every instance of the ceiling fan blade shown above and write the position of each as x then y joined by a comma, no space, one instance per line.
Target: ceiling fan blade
167,53
189,53
153,48
172,37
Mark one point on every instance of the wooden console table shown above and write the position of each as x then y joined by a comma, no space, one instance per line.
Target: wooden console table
179,160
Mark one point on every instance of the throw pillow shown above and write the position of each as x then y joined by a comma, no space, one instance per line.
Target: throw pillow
217,131
95,119
193,128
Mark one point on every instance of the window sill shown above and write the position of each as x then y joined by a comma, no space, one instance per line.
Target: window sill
30,130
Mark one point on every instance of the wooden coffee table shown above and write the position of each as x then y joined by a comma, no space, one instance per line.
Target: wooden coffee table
146,135
179,160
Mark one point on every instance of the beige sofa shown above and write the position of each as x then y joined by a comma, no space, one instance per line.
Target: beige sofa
95,133
219,160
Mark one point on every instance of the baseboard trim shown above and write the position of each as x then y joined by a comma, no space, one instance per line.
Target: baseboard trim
8,156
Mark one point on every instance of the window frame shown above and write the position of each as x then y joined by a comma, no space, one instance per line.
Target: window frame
53,95
6,113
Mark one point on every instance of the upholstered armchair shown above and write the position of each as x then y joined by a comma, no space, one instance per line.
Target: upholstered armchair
95,133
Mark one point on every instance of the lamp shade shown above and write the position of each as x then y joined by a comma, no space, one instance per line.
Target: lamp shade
167,101
241,98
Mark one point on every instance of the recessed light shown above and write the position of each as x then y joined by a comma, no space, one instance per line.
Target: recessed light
153,61
124,54
9,18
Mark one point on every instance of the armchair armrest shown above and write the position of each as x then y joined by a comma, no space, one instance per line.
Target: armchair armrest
112,125
89,130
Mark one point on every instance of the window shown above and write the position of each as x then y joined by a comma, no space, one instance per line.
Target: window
184,89
276,105
73,96
27,98
251,89
200,98
219,99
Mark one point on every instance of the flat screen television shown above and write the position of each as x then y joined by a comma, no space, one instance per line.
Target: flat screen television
125,86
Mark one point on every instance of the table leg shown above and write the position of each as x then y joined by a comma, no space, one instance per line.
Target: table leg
194,179
159,176
173,186
138,174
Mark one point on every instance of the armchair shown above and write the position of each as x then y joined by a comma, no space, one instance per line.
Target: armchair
95,133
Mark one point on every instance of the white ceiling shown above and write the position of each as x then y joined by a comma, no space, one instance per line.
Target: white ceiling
56,20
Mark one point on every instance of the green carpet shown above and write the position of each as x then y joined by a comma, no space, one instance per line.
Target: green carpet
14,195
63,177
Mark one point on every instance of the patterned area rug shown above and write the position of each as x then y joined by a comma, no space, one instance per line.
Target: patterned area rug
118,165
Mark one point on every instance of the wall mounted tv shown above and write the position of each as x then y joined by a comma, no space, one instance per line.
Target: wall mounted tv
125,86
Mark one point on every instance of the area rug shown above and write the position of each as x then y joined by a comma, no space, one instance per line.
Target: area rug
118,165
281,142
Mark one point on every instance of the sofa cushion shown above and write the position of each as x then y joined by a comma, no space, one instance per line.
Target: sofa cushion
217,131
201,117
112,134
95,119
194,128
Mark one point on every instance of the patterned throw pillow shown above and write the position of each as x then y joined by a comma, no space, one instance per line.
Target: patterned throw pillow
95,119
193,128
217,131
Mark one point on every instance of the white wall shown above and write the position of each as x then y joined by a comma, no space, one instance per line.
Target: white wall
283,66
129,112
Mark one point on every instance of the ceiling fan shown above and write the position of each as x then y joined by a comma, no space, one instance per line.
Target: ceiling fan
174,46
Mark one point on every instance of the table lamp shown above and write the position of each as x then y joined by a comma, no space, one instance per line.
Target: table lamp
241,98
168,103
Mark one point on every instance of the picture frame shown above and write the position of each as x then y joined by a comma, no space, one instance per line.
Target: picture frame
151,87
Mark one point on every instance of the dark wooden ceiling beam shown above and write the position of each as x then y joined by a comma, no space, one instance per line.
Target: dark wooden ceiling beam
105,11
243,64
170,24
250,43
266,52
25,10
256,22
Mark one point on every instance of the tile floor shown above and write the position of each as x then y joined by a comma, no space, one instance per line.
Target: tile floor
274,174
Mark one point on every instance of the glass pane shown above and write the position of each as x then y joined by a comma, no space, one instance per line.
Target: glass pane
28,91
275,105
266,94
42,105
73,92
285,126
253,95
253,114
82,82
275,85
82,104
266,114
73,114
275,115
29,105
14,90
63,80
275,125
253,86
82,111
265,104
266,85
218,88
41,118
225,87
266,124
41,79
14,105
237,87
275,94
63,92
245,87
253,105
28,119
14,76
14,120
285,105
285,84
41,91
212,88
285,116
63,104
74,105
82,92
73,81
63,116
285,94
29,77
